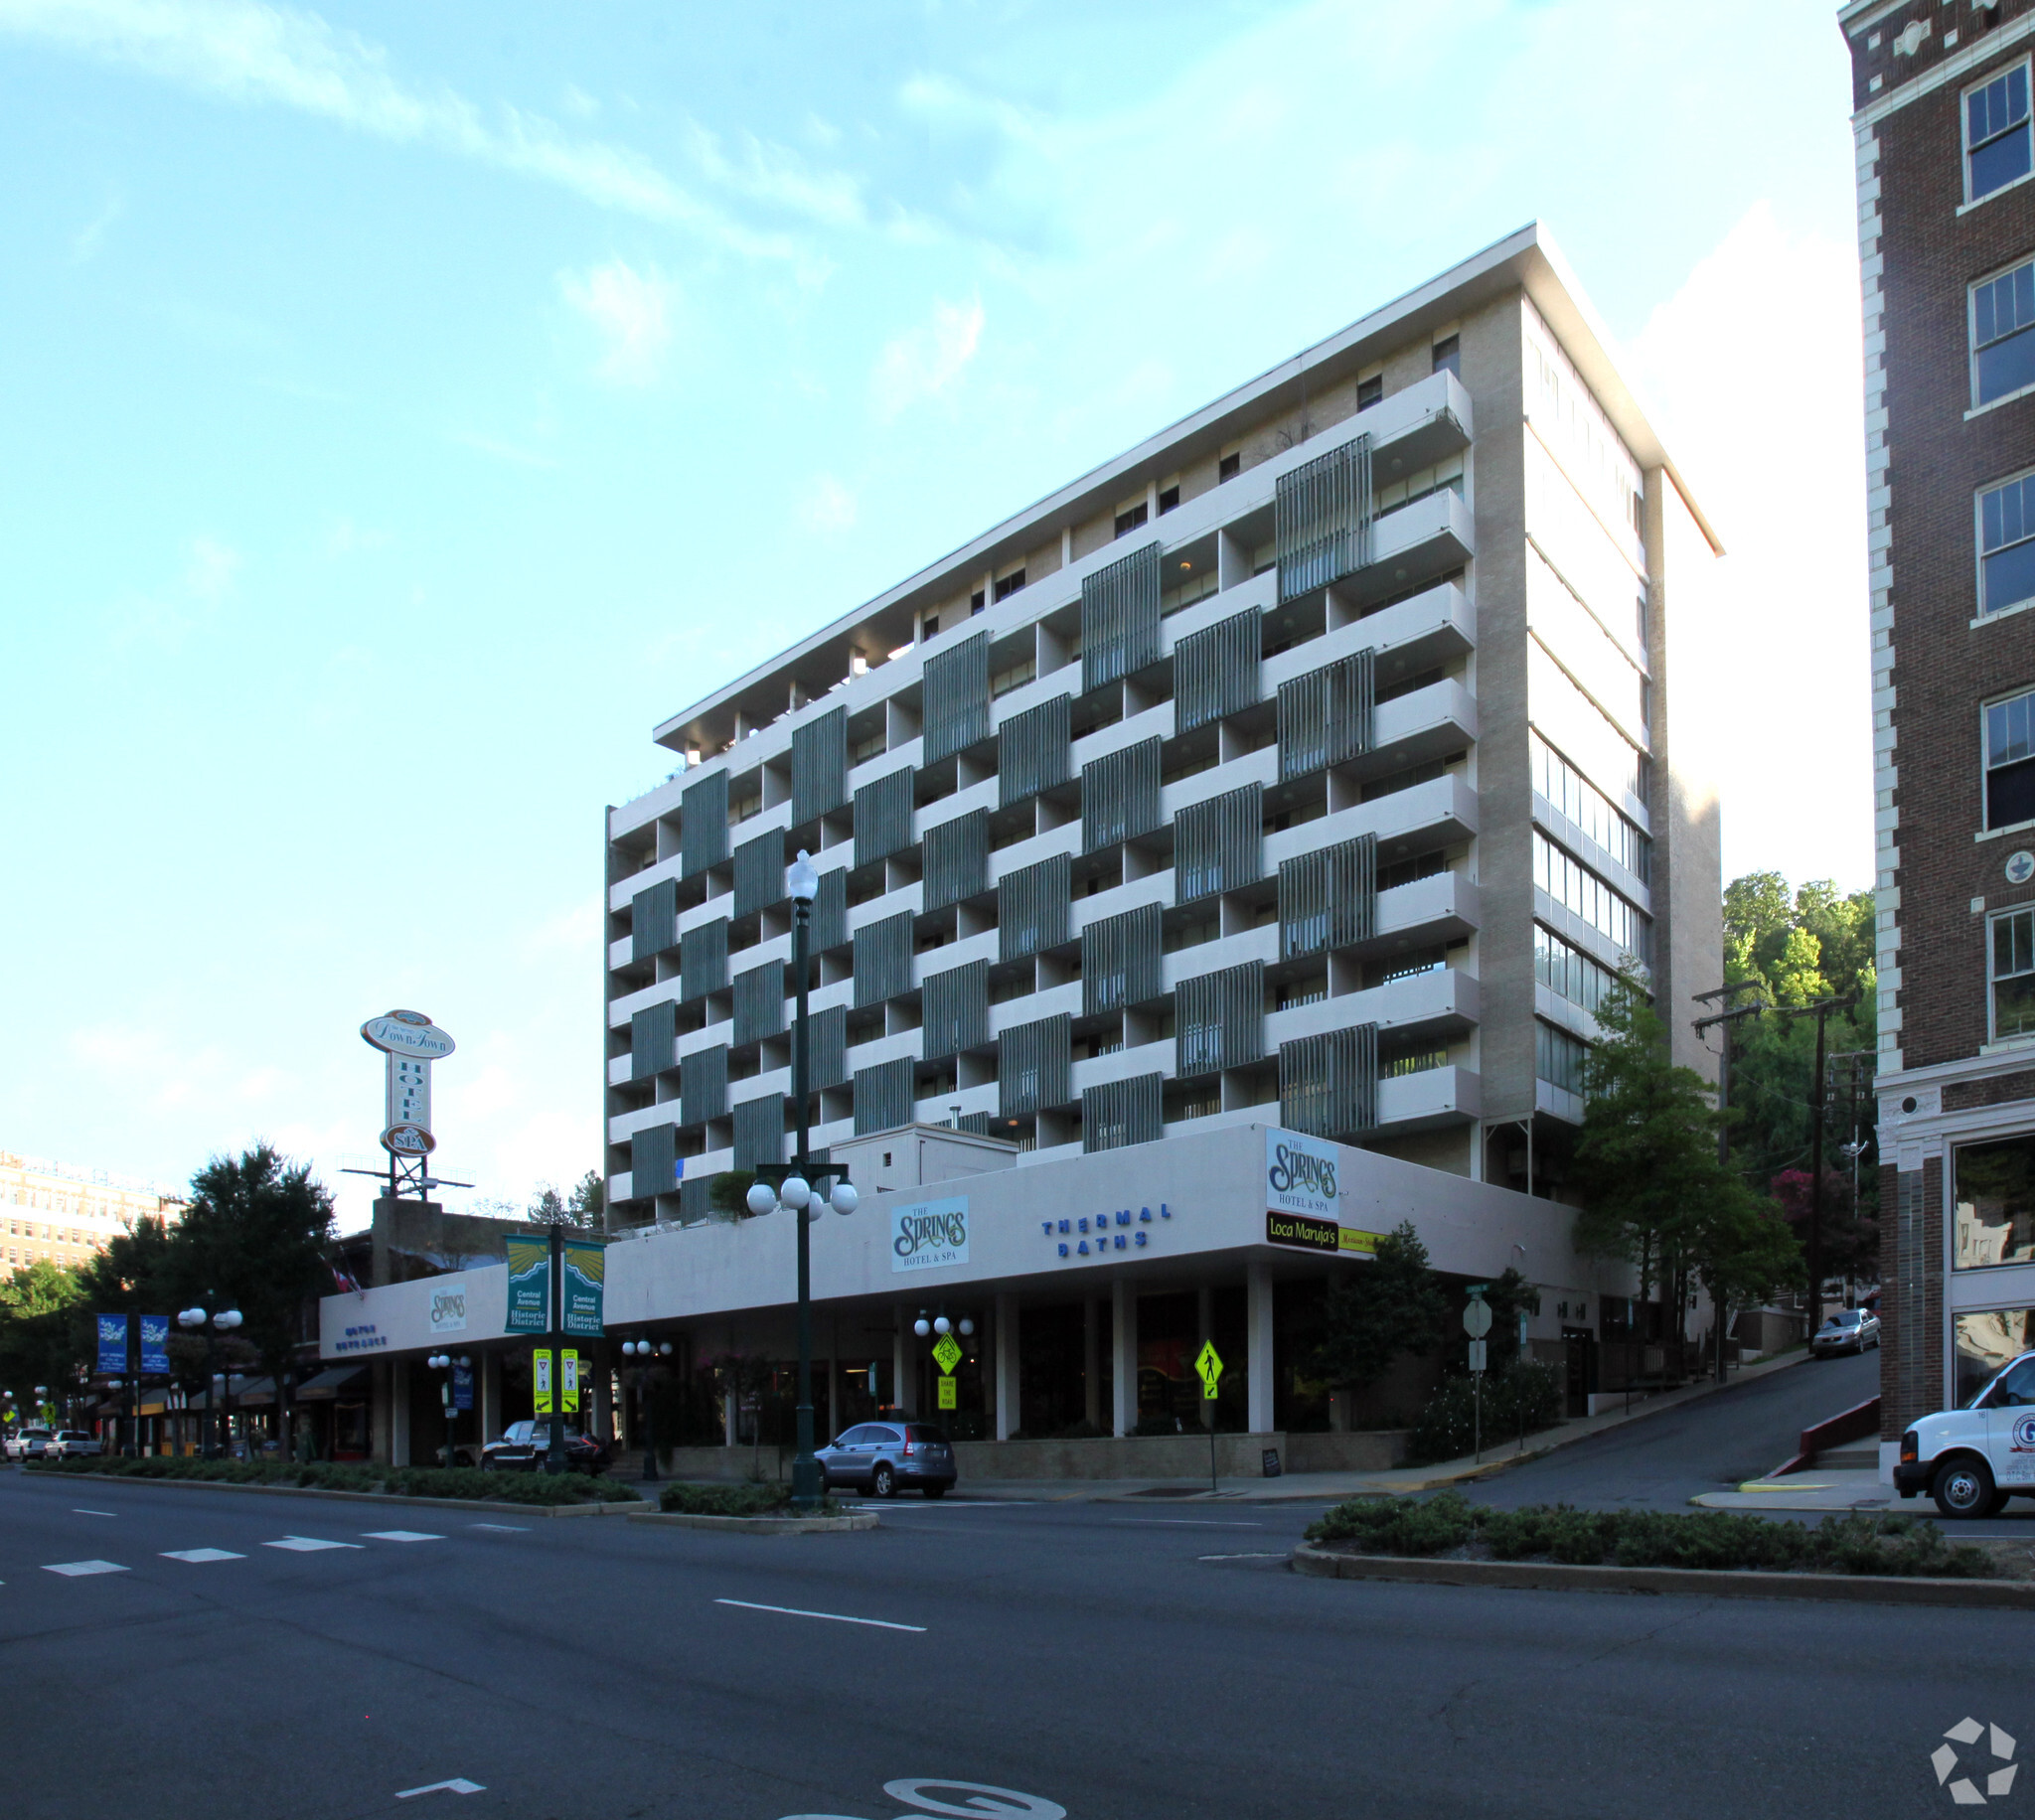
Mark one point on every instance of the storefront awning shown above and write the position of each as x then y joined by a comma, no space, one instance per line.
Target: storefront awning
332,1383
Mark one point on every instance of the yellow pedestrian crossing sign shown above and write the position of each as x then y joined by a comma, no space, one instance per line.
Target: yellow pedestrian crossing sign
946,1352
1209,1367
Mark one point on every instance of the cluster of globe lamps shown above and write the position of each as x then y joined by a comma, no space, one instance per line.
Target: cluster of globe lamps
796,1193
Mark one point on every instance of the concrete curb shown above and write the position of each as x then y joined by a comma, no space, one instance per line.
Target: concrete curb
761,1526
619,1507
1694,1583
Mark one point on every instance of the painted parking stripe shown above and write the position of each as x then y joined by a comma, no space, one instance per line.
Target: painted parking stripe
833,1617
77,1570
400,1535
201,1554
1186,1522
505,1529
76,1512
1257,1556
306,1545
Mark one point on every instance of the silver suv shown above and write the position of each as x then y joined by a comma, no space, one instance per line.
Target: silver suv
881,1457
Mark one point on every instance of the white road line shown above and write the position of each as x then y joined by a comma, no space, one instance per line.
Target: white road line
940,1504
1188,1522
75,1570
399,1535
833,1617
505,1529
306,1545
76,1512
459,1785
201,1554
1257,1557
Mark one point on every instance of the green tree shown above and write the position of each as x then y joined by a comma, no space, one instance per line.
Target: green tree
1374,1313
588,1205
1508,1297
36,1341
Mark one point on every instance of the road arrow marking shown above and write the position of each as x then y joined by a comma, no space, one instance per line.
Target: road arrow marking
459,1785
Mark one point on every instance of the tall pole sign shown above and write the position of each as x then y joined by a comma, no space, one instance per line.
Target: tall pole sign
410,1043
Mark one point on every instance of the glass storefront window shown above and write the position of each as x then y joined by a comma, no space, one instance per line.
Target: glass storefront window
1985,1342
1995,1199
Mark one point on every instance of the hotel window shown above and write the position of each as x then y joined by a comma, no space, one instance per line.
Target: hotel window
1995,1202
1230,466
2003,334
1007,585
1169,499
1996,150
2006,545
1130,518
1449,355
1371,391
2013,971
1571,885
2010,761
1559,1058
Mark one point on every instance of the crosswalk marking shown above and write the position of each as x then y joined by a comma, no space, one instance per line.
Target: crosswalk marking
400,1535
77,1570
306,1545
201,1554
505,1529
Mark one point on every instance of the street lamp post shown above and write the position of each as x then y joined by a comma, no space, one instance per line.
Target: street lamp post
222,1320
794,1189
646,1353
444,1362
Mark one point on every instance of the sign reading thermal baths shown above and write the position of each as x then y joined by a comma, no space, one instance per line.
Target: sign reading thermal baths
929,1234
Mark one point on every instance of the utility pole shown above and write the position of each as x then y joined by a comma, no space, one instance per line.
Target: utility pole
1821,1011
1724,1020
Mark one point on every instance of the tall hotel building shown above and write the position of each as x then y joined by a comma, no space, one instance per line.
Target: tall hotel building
1946,241
1308,767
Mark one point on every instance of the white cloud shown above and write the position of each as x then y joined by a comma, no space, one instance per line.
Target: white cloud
828,505
86,242
924,361
209,574
579,104
345,537
493,446
167,618
769,173
1752,370
631,312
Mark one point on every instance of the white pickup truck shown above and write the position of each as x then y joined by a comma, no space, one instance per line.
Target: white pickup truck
1973,1460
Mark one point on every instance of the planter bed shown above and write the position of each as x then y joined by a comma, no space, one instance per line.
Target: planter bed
460,1487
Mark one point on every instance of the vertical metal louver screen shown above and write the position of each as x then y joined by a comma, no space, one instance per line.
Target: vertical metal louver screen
653,921
653,1040
652,1162
1219,1020
1122,1111
1120,619
1324,717
1120,960
1217,670
1034,908
1329,1084
1219,844
882,817
957,1011
759,1130
827,1059
883,1095
703,960
694,1198
703,824
1329,898
957,700
1036,1067
882,960
819,766
1120,796
759,1002
829,911
1036,751
1322,519
703,1085
957,860
759,873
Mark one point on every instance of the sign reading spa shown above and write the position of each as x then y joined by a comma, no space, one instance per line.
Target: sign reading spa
929,1234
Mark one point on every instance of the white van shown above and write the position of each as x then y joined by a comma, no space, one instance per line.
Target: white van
1973,1460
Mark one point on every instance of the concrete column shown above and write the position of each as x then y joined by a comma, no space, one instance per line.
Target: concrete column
1091,1363
1007,1366
1205,1320
1123,1338
487,1394
1258,1344
381,1413
730,1411
825,1417
906,1358
398,1412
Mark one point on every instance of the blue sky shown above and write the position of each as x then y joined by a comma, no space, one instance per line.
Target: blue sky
408,407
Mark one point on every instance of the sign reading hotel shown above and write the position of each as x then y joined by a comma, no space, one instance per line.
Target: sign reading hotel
929,1234
1304,1197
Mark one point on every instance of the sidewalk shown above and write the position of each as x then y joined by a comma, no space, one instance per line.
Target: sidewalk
1813,1490
1331,1487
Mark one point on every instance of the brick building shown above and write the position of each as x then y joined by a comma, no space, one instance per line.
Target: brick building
1946,241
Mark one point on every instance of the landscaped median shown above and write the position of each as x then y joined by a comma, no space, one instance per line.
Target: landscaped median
751,1509
1450,1540
561,1494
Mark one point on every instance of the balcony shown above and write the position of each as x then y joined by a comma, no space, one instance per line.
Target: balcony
1419,543
1444,1006
1435,1097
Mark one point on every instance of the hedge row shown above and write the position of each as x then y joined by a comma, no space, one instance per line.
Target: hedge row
1855,1544
332,1475
745,1500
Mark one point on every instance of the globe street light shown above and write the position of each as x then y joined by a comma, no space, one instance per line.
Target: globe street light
444,1361
224,1321
647,1353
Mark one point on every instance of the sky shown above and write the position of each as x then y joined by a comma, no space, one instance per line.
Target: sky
408,407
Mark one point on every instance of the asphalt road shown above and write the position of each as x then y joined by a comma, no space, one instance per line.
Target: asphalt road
1106,1661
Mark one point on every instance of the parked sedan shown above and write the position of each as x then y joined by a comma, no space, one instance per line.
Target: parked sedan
27,1443
1847,1330
71,1443
882,1457
523,1446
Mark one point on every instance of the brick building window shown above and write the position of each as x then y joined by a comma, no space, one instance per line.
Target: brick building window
1995,1201
1985,1342
2010,761
2003,334
2013,974
1996,149
2006,545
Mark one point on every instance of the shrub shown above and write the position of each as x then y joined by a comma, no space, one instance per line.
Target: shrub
338,1476
1524,1398
1400,1526
750,1500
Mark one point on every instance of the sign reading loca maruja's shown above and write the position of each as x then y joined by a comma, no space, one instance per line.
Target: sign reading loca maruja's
1304,1197
410,1042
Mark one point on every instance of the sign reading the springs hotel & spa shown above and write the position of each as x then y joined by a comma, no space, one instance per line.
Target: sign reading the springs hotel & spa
1304,1197
929,1234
